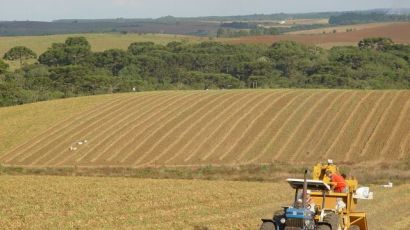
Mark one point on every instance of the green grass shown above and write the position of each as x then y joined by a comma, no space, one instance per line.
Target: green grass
375,174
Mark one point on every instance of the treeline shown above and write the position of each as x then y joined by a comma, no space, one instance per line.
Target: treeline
242,29
72,69
252,31
366,17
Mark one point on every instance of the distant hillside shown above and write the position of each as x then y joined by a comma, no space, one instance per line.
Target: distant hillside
368,17
226,127
202,26
19,28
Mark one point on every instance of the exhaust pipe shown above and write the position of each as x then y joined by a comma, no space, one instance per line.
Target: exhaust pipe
304,189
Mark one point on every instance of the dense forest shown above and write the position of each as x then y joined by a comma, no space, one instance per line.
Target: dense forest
242,29
71,69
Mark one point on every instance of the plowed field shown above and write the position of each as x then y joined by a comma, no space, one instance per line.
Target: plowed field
188,128
399,32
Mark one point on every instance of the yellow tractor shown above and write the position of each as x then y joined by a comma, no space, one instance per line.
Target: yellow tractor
317,207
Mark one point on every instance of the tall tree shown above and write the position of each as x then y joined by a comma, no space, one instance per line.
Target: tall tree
288,56
137,48
112,59
75,50
77,41
19,53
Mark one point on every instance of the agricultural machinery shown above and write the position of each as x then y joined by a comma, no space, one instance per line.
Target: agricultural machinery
317,207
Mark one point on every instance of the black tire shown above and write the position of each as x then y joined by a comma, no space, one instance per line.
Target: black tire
354,227
323,227
267,226
332,219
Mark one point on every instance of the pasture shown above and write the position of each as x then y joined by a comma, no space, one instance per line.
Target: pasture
219,127
48,202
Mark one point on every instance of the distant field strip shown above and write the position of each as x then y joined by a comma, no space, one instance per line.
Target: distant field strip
225,127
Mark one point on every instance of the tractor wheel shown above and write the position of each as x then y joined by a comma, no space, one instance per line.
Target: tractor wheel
354,227
267,226
332,219
323,227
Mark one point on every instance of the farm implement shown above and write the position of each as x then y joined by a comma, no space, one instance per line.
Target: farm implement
317,207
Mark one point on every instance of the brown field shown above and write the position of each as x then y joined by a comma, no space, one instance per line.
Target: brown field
46,202
399,32
225,127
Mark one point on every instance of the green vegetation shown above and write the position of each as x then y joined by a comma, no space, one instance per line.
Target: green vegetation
242,29
98,42
3,66
253,31
274,172
19,53
72,69
366,17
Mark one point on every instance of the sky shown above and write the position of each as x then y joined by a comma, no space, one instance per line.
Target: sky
47,10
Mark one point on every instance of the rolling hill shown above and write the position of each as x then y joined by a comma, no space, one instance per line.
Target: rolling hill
225,127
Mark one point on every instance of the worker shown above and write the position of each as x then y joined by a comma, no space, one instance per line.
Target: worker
309,201
339,183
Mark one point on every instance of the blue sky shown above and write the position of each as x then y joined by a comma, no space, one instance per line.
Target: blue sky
47,10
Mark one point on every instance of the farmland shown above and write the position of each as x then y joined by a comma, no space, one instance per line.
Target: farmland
24,122
399,32
125,203
344,28
224,127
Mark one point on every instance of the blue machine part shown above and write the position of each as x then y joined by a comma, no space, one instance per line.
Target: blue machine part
298,213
